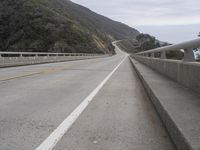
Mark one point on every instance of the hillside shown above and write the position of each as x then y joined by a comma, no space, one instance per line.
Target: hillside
57,26
142,42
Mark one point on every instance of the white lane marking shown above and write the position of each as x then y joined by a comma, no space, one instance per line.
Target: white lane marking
51,141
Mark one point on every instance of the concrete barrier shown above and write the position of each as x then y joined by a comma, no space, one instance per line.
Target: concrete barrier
178,107
185,73
7,59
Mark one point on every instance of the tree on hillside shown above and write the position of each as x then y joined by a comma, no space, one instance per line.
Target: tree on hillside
147,42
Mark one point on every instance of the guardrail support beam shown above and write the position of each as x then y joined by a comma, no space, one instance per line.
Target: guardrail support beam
188,55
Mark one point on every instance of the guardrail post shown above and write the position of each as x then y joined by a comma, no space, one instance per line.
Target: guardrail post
189,55
163,55
152,55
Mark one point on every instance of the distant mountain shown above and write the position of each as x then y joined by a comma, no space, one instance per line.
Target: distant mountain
57,26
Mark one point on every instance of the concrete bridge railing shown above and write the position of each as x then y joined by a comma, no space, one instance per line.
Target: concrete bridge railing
185,72
8,59
173,87
187,47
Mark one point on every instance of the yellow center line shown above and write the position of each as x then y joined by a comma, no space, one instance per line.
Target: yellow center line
16,77
47,71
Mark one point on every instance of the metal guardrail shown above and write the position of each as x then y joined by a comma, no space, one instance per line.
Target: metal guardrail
187,47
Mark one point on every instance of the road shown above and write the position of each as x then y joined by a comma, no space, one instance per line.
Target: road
100,101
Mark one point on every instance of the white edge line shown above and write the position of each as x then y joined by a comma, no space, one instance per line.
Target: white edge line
50,142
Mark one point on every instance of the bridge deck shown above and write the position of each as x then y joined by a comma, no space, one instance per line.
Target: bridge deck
36,99
121,117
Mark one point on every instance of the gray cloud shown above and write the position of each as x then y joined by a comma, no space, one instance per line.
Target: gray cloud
147,12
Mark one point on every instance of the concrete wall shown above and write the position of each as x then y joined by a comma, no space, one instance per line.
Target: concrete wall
186,73
18,61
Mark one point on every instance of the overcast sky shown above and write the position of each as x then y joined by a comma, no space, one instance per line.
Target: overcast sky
148,13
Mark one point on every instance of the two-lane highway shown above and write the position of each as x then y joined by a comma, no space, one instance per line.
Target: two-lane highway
35,100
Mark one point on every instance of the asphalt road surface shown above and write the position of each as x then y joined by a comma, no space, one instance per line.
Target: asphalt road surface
94,104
